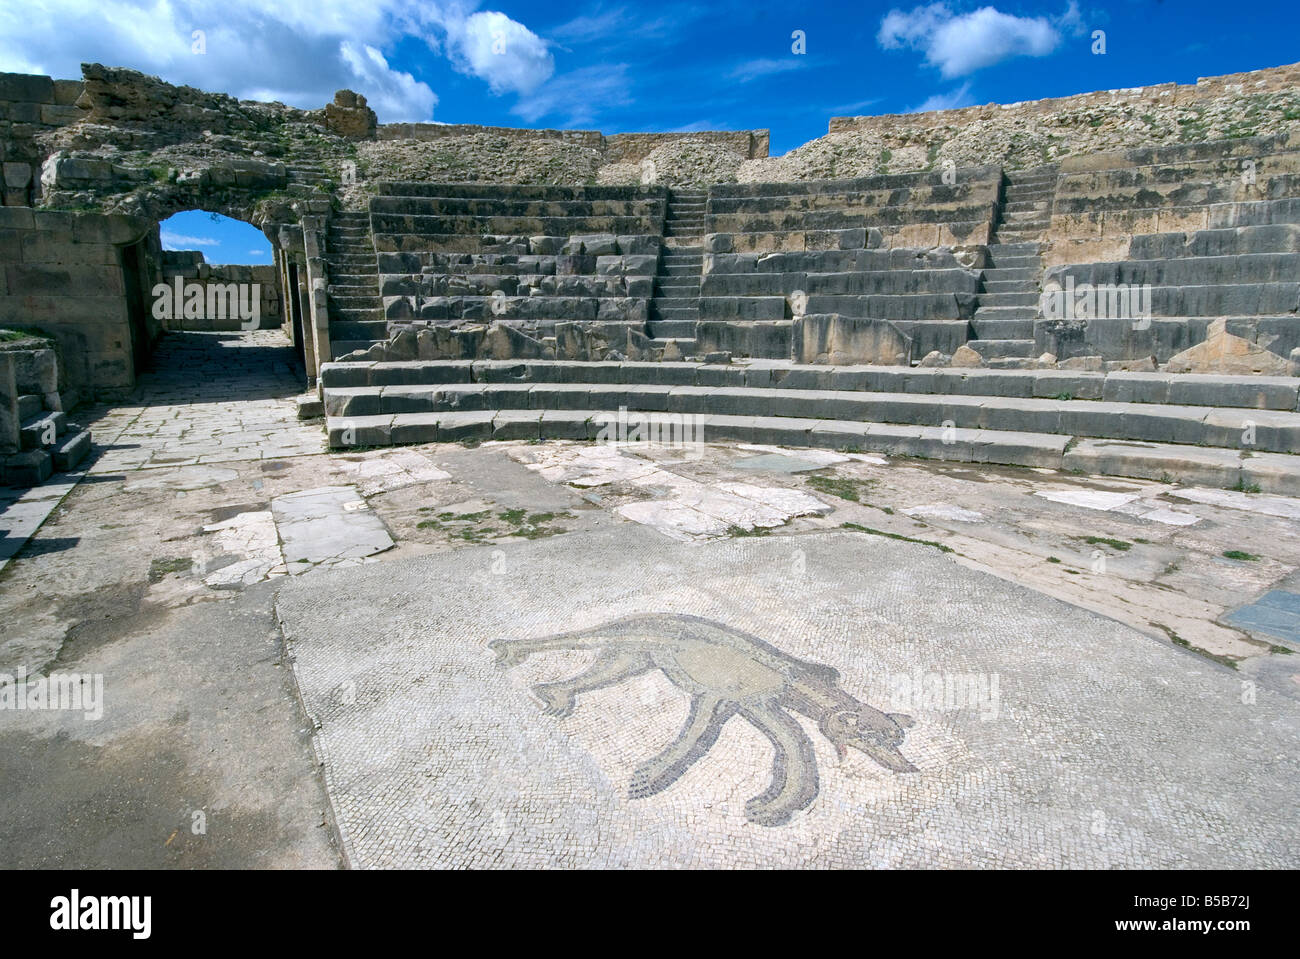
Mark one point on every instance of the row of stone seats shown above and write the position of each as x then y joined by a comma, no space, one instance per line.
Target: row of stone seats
502,218
1177,187
907,210
930,295
1248,276
533,256
1221,430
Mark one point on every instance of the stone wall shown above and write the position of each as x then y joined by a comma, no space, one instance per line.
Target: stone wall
189,266
1135,98
30,105
616,148
63,275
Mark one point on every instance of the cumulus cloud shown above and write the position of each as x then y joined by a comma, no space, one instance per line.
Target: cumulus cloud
579,96
504,52
961,43
295,51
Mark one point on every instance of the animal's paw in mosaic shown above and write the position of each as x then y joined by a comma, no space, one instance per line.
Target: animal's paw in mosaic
726,672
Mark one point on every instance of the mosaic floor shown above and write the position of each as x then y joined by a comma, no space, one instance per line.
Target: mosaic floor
832,699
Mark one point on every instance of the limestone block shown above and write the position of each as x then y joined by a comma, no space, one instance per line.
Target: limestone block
545,245
1094,364
17,175
935,358
829,338
1222,352
967,358
348,116
592,245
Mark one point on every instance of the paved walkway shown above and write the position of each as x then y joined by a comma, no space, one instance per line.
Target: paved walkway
210,398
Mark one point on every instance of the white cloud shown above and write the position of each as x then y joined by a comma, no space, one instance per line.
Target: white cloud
183,242
960,44
578,97
393,95
946,101
504,52
295,51
754,69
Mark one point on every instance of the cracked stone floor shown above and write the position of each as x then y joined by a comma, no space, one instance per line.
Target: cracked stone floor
360,657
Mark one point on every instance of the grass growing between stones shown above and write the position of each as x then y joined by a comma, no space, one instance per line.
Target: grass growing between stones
1179,641
479,527
898,536
1117,544
841,486
158,568
1240,554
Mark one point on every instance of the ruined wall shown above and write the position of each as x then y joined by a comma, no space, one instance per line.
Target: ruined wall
63,274
189,266
1269,80
30,105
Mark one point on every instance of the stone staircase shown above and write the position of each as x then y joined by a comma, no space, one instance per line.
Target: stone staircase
675,307
356,312
1011,281
1155,426
49,443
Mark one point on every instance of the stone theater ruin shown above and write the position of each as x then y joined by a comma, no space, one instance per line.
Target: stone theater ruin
526,280
605,494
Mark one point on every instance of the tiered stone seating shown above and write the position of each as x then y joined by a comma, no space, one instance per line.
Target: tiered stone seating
930,295
1216,238
857,248
1156,425
528,256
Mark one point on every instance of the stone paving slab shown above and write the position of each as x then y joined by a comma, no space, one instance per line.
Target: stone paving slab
23,511
830,699
330,525
1277,613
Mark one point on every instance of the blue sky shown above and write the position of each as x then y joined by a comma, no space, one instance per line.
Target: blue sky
676,65
219,238
673,65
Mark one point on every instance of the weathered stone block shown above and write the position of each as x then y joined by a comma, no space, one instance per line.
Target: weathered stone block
838,340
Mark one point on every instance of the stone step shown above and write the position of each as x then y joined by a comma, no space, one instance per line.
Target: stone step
42,430
668,329
370,301
1277,432
340,348
993,298
345,315
29,406
1275,393
353,289
1006,312
1010,286
1015,268
1003,349
691,313
28,468
690,290
1272,473
71,450
1015,249
358,330
1004,329
1022,206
